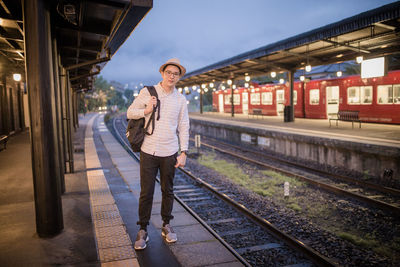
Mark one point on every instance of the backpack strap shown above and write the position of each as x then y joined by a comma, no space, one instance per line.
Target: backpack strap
153,92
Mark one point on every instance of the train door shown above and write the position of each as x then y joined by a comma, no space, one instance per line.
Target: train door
280,102
221,103
245,103
332,100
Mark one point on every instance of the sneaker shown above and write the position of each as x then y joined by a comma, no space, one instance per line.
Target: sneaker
141,239
168,233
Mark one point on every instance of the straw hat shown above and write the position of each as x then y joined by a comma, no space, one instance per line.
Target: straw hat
175,62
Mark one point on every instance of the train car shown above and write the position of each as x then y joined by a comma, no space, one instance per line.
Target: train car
222,101
376,99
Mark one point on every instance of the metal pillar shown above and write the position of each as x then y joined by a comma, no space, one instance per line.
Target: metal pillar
44,148
291,105
232,106
201,100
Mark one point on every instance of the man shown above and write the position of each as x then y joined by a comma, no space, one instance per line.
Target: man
159,151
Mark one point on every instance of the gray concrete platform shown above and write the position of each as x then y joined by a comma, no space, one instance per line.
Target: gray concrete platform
99,209
370,150
195,245
19,243
371,133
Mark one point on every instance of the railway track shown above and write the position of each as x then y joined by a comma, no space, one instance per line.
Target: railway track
251,238
379,196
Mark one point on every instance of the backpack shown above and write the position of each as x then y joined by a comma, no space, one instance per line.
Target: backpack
136,129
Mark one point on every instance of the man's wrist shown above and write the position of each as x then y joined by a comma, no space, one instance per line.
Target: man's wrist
184,152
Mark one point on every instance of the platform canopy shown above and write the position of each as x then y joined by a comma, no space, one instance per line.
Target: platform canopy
88,33
369,34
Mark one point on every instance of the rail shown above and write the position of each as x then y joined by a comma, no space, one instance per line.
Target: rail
316,257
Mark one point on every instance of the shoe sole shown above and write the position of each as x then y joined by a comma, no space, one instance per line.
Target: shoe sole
168,241
145,245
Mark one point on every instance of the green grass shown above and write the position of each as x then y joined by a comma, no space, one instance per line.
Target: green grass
264,183
270,184
357,240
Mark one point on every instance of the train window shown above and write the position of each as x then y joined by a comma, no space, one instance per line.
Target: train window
314,97
236,99
332,95
266,98
353,95
255,98
396,94
366,94
294,97
389,94
228,100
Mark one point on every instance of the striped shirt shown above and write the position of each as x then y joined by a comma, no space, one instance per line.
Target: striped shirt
173,123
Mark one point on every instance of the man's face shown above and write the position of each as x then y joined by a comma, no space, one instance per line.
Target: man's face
170,75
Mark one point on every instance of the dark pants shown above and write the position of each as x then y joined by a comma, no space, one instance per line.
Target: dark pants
149,166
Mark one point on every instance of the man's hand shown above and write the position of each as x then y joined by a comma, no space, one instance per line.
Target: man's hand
150,105
180,160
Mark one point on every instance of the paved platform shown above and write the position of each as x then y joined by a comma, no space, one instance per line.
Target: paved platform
370,133
100,211
19,243
195,245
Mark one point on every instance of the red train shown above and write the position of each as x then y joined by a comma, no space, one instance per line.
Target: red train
376,99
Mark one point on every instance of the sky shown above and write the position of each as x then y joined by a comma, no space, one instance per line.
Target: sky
203,32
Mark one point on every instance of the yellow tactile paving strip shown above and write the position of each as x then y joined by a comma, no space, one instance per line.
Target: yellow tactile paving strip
114,247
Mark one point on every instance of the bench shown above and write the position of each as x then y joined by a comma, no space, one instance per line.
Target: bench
256,112
3,141
346,115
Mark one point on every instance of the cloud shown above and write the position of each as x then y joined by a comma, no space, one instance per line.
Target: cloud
204,32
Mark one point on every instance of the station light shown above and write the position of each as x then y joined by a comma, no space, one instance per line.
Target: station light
247,78
211,85
194,87
339,56
214,89
186,88
273,74
17,77
180,89
229,82
339,73
281,80
234,86
206,90
223,87
359,59
203,86
302,78
198,90
196,97
308,68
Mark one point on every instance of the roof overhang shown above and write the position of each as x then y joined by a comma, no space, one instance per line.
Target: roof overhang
370,34
88,33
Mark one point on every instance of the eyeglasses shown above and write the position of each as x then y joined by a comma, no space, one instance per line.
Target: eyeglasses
170,73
